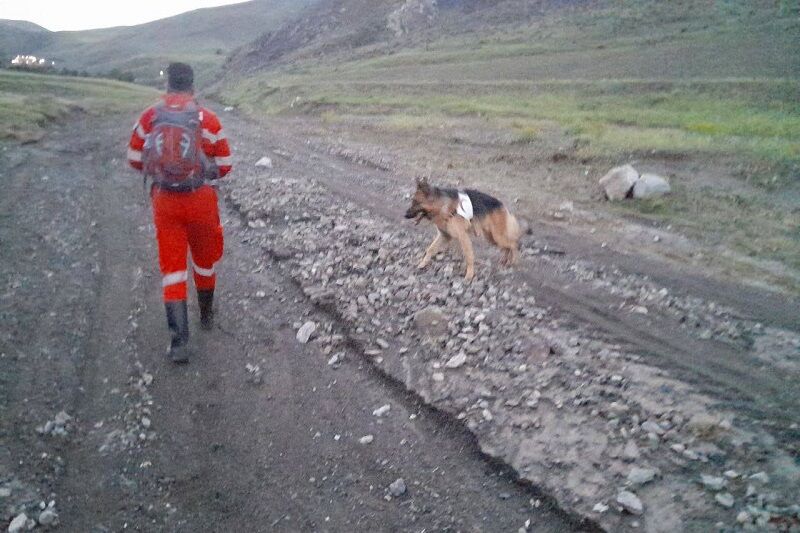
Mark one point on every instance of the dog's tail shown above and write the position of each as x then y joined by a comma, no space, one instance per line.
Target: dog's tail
513,231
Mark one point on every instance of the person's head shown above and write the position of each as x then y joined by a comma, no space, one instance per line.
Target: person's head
180,78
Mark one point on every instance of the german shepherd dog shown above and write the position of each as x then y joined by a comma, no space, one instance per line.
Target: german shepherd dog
455,218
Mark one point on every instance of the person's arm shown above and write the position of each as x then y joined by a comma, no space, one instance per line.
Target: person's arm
215,144
136,144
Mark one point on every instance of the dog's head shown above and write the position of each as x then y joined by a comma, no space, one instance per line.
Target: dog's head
420,201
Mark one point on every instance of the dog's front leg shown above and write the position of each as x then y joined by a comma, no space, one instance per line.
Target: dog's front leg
433,249
466,248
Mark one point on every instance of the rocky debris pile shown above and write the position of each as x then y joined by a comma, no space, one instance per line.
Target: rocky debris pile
626,182
413,14
58,427
29,511
137,419
576,416
635,293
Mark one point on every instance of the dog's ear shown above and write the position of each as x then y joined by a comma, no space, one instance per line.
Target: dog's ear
422,184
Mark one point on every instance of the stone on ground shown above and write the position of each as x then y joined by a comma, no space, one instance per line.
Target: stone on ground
264,162
619,181
305,332
398,488
630,502
456,361
18,524
649,186
430,321
640,476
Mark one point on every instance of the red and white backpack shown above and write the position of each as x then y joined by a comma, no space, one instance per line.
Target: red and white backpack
173,150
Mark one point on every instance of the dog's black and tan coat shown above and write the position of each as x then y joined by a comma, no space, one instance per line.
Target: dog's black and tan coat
489,218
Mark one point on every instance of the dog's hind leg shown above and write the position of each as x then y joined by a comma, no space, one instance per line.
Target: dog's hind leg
433,249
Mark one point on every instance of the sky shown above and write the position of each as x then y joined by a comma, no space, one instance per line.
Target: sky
59,15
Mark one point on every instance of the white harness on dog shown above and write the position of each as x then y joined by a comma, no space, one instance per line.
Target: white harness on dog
464,208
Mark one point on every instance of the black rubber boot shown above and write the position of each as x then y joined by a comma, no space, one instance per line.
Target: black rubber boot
206,301
178,323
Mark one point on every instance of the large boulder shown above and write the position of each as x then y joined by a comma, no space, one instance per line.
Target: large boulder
619,181
649,186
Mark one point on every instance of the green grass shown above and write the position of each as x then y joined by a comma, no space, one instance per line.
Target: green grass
723,117
29,102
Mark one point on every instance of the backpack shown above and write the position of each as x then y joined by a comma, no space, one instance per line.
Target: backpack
173,150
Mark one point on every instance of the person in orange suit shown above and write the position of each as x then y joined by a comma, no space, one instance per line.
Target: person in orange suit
182,147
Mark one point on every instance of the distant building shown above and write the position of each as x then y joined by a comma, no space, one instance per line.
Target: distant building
31,62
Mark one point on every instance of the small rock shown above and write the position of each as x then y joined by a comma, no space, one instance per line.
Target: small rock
702,425
652,427
630,502
437,377
631,451
600,507
5,492
398,488
382,410
366,439
264,162
18,524
305,332
640,476
430,321
712,482
48,517
456,361
761,477
725,499
743,517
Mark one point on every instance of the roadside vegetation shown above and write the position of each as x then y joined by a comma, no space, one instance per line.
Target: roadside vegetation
759,120
29,102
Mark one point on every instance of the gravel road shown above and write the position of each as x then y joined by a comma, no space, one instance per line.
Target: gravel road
258,433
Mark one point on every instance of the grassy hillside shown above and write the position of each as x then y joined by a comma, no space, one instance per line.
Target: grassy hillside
690,87
203,37
682,78
29,102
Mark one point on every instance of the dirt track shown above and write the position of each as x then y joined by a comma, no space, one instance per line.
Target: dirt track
215,446
226,448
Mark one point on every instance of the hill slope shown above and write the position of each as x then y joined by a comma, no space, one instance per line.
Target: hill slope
203,36
19,36
544,39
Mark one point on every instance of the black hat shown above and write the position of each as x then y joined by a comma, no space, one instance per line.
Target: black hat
180,78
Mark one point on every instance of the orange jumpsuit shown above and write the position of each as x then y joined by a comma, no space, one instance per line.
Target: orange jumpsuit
186,221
